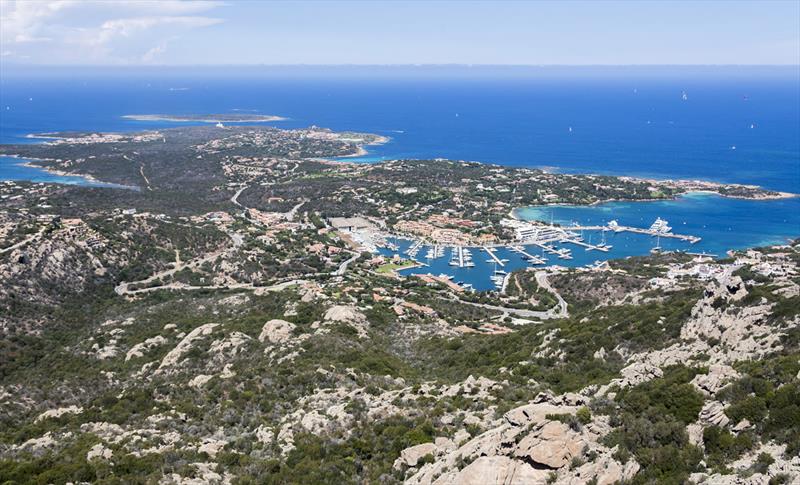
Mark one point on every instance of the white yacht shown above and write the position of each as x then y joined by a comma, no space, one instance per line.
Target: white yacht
660,226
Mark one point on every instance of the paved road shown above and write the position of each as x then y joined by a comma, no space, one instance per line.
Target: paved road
235,198
290,215
541,279
343,267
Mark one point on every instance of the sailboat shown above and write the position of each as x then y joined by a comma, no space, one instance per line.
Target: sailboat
657,248
603,244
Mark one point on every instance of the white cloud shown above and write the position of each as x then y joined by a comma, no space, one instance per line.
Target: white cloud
91,31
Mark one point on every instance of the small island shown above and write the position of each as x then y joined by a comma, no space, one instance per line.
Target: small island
207,118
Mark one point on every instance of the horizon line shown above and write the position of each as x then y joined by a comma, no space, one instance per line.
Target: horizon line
413,65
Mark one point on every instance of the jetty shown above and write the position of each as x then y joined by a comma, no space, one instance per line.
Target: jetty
493,256
589,247
414,249
638,230
529,257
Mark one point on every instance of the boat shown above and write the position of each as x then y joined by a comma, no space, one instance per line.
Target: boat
660,226
657,248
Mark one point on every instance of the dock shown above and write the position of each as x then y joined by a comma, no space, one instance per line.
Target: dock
414,249
531,258
589,247
562,253
638,230
493,256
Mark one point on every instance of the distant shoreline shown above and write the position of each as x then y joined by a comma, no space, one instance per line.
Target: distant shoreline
778,196
92,181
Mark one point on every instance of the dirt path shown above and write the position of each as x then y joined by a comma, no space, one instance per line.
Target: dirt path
233,286
23,242
124,287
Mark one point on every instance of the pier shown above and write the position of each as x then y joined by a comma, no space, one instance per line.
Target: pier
638,230
545,247
589,247
531,258
493,256
414,249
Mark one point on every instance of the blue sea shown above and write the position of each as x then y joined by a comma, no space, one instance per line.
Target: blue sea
726,124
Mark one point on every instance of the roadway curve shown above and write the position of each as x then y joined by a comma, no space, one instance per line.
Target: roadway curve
559,311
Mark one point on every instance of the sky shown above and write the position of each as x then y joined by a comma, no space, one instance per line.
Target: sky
211,32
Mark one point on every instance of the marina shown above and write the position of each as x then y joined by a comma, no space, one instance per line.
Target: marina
630,229
537,245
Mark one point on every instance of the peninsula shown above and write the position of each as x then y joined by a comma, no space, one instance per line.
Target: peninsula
240,318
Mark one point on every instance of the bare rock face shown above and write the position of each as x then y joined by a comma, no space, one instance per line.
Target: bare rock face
230,346
632,375
100,452
713,412
553,445
141,348
185,345
528,447
605,470
496,469
444,444
276,331
727,287
718,377
411,456
695,432
348,315
57,413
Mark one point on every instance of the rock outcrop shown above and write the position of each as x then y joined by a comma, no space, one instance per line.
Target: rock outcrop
276,331
348,315
530,446
411,456
185,345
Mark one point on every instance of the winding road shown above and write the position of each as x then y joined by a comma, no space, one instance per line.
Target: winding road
556,312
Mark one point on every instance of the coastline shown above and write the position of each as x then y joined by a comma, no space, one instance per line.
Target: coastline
92,181
360,150
778,196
